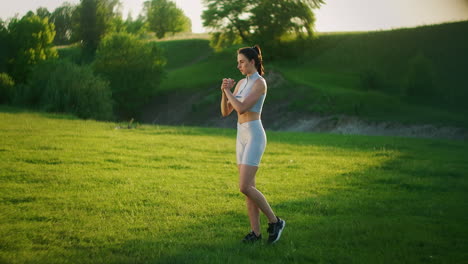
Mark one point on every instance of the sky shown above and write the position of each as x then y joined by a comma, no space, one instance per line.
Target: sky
335,15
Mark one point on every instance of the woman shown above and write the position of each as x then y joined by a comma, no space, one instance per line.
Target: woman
247,100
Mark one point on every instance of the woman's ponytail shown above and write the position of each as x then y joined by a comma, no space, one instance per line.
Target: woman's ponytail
259,62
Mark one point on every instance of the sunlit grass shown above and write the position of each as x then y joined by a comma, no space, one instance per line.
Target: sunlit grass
85,192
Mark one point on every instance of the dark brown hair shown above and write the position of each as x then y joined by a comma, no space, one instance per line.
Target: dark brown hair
254,53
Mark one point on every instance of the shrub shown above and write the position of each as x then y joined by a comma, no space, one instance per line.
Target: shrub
6,88
134,69
62,86
30,43
73,53
4,47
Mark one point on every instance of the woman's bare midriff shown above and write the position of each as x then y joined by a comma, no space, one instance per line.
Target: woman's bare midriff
247,117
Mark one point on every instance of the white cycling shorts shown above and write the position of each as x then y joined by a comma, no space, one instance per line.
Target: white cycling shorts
251,142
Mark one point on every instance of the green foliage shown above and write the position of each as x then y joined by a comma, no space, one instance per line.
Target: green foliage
62,19
93,19
30,43
263,21
273,19
133,67
42,12
4,47
137,27
6,88
62,86
71,53
76,191
421,77
165,17
228,18
221,40
117,25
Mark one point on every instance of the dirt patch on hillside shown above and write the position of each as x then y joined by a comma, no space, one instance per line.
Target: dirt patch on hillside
353,125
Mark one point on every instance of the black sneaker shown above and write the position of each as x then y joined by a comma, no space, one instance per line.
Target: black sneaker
275,229
251,238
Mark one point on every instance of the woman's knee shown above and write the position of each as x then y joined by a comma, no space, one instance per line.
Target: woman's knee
245,188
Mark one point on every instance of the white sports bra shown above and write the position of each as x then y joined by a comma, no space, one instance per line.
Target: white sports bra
245,91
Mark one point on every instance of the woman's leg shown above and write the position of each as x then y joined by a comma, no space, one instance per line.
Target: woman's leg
253,211
247,187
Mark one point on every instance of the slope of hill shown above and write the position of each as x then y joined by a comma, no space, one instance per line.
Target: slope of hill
328,79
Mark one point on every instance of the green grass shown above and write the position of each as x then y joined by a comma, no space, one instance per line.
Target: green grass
332,64
181,52
74,191
194,66
325,91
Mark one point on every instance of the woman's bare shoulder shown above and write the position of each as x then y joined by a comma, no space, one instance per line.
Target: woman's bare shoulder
260,84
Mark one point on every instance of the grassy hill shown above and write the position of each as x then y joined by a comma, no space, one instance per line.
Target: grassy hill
331,75
74,191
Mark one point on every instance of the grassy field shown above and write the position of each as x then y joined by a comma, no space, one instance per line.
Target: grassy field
74,191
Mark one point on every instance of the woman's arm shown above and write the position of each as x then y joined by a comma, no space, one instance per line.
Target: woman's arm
258,89
226,107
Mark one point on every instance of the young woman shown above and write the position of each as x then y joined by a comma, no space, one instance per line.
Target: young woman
247,100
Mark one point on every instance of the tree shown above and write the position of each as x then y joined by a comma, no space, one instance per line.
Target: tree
274,18
4,46
165,17
62,19
92,20
138,26
6,88
258,20
133,67
30,43
42,12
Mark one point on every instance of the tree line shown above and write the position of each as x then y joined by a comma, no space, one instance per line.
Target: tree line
116,71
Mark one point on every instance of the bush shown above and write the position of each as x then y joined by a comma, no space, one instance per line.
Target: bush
6,88
31,40
61,86
222,40
73,53
134,69
4,47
